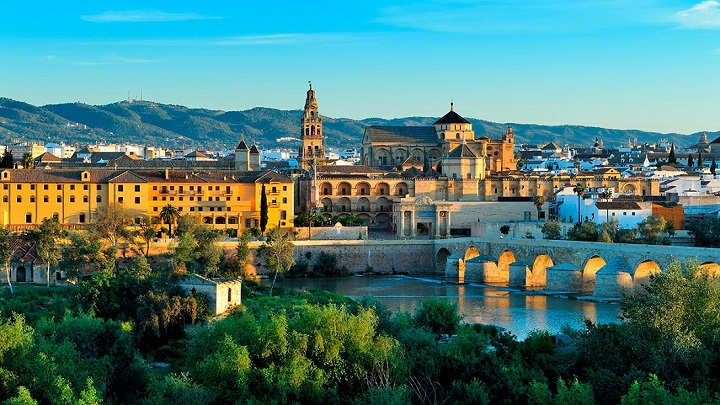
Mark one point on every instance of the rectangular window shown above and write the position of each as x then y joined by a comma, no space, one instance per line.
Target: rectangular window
227,189
200,208
192,208
283,214
164,198
180,198
284,188
274,201
82,218
155,208
284,200
59,187
72,187
137,200
180,208
46,186
32,187
137,188
86,187
217,188
120,187
227,198
154,188
172,187
6,186
192,187
274,189
192,198
19,186
172,198
28,218
199,198
98,187
120,200
154,198
212,209
247,223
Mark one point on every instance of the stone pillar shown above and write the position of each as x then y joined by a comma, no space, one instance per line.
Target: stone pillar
437,225
447,229
401,223
412,224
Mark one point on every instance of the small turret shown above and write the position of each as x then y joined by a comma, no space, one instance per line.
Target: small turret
242,155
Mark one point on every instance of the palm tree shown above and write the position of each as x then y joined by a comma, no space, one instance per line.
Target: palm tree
169,214
606,195
27,161
579,189
539,200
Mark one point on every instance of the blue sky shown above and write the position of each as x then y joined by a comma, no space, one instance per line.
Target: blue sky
643,64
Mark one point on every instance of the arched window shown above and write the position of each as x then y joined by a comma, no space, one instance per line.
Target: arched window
19,199
32,198
46,199
85,199
59,199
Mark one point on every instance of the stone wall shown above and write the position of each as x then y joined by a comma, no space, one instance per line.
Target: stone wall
414,257
332,233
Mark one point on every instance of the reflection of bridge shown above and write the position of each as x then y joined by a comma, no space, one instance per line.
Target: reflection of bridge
565,266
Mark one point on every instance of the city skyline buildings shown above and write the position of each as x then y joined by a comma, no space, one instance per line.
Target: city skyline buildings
648,65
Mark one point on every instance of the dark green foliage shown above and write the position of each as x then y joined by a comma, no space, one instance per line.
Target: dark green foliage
7,159
690,161
586,231
348,220
505,229
263,211
437,316
672,160
552,230
326,265
706,231
713,166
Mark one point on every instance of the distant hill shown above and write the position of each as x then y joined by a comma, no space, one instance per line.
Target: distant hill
177,126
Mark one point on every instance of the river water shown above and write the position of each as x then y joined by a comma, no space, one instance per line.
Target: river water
510,309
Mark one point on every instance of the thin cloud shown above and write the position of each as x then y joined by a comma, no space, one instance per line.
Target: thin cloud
111,60
246,40
143,16
705,14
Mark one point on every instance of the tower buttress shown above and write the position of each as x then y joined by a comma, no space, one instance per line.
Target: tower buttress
311,150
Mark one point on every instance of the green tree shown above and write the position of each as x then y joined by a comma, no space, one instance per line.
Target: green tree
22,398
700,160
110,223
146,233
672,160
586,231
169,214
713,166
653,230
45,240
7,160
27,161
610,228
606,195
437,316
263,211
579,189
539,201
6,252
278,253
83,253
552,230
706,231
242,252
690,161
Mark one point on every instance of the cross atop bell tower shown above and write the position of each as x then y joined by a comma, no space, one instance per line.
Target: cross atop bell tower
311,151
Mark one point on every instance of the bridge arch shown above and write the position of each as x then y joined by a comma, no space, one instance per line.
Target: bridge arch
643,272
592,265
541,263
470,253
712,269
441,260
506,257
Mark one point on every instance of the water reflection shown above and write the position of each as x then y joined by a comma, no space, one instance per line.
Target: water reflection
511,310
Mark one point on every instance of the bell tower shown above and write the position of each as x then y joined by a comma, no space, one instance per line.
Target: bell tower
312,150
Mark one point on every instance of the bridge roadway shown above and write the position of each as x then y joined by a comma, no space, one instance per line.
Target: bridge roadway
529,263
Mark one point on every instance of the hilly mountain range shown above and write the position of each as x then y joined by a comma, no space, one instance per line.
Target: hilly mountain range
175,126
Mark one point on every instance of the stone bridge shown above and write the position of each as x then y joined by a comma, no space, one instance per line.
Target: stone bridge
603,270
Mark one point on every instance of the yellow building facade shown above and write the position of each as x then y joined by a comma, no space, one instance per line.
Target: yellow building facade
222,199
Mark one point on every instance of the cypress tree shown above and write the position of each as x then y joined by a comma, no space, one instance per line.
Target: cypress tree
713,166
263,211
7,159
671,157
691,162
699,160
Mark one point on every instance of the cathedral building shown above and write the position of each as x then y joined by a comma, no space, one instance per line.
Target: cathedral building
437,179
